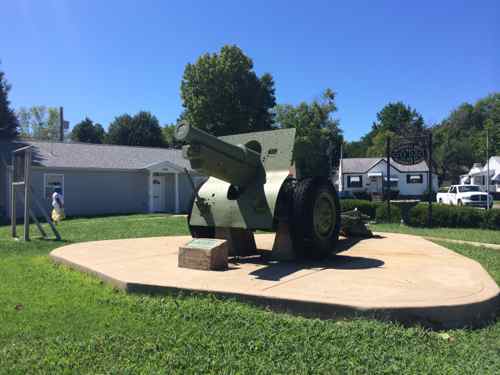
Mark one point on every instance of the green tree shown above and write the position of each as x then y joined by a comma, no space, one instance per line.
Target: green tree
354,149
318,137
142,129
399,119
168,136
395,120
39,122
487,113
222,94
88,132
460,139
452,156
8,121
378,146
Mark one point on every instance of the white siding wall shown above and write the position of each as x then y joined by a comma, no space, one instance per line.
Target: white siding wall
89,193
403,187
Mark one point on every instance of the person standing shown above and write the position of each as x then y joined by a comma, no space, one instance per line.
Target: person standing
57,206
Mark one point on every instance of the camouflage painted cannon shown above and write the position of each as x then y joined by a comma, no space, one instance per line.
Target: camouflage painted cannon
250,188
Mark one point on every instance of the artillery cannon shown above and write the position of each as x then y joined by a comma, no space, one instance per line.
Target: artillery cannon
250,188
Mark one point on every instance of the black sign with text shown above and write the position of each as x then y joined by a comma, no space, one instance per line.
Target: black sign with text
408,154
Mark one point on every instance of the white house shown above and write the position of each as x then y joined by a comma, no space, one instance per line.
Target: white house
477,175
103,179
365,175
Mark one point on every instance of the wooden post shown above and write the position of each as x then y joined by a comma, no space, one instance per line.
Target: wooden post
429,178
13,202
177,200
47,217
27,183
388,151
35,219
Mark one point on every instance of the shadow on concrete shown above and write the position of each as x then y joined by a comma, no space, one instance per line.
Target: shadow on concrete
275,270
345,243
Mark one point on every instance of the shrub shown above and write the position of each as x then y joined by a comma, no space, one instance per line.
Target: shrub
418,215
382,214
491,219
442,215
455,217
366,207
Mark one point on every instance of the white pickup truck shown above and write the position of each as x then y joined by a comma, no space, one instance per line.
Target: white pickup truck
465,195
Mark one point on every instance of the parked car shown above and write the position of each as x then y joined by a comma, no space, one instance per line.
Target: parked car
465,195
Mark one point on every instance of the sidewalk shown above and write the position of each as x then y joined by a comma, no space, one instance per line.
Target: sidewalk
478,244
492,246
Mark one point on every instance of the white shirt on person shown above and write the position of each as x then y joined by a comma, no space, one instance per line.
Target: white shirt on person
56,199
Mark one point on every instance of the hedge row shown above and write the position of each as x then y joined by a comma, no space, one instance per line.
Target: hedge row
375,210
442,215
366,207
455,217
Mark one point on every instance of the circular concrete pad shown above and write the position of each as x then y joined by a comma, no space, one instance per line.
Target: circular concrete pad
394,276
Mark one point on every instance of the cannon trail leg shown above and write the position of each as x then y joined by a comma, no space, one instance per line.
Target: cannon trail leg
283,244
240,242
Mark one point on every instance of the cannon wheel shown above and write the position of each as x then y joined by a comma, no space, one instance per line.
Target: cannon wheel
198,231
316,218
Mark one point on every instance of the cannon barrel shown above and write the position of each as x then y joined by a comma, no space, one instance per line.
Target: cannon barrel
209,155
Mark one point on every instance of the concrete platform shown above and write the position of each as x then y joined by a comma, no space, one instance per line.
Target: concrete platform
396,277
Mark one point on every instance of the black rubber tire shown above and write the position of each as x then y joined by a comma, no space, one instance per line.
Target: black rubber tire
284,202
198,231
307,243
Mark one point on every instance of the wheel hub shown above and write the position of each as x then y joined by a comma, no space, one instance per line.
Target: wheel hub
324,215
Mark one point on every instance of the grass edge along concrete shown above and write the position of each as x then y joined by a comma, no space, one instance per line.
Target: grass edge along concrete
71,322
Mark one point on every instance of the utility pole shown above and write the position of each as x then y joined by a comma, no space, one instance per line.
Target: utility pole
487,168
61,124
388,197
429,179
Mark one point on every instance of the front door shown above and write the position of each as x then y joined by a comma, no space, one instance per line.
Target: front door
375,186
158,194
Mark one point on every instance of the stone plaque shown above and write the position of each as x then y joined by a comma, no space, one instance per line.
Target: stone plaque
204,254
203,243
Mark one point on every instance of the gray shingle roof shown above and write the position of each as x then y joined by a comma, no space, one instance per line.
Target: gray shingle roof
363,165
84,155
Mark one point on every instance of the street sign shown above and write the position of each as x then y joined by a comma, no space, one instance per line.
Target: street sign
408,154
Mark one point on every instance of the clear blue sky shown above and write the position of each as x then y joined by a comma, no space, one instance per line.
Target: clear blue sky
103,58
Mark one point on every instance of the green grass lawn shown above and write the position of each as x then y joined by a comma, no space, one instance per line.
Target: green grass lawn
57,320
465,234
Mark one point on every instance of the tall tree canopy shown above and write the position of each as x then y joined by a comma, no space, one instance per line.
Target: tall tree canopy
168,136
395,120
460,139
142,129
8,121
39,122
222,94
318,137
88,132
